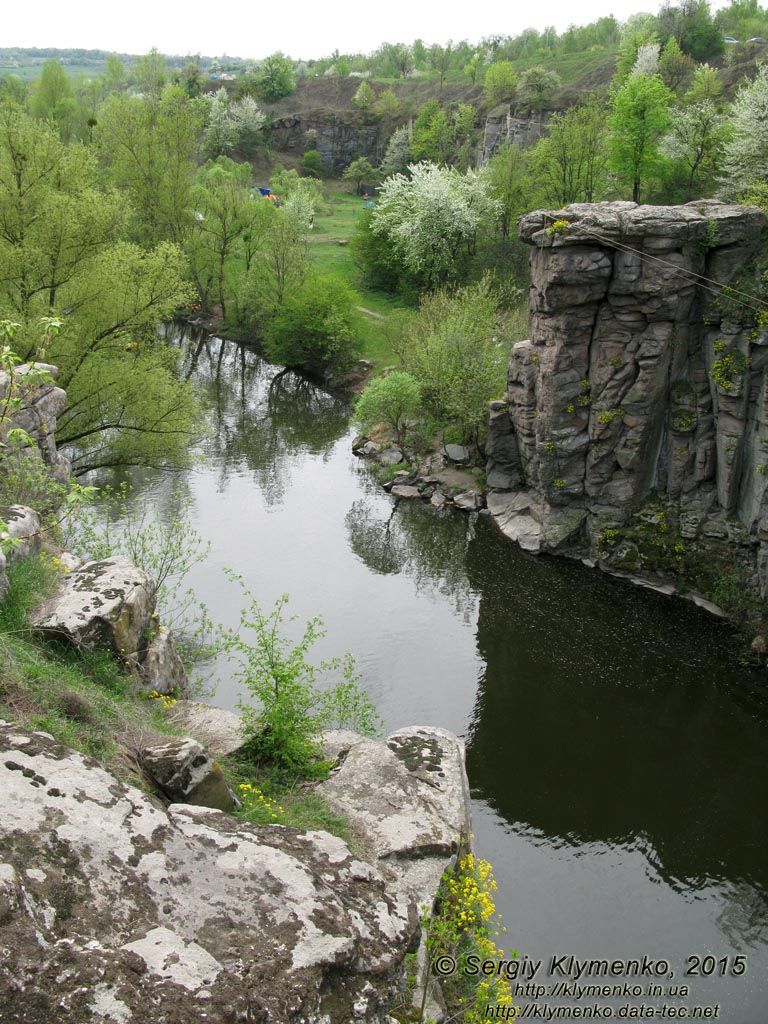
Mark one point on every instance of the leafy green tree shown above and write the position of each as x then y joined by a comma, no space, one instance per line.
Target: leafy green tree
151,73
312,163
692,26
393,400
312,328
675,67
224,206
282,261
570,160
537,84
54,218
275,77
440,60
433,136
474,66
115,77
387,106
150,147
639,118
359,171
500,83
697,138
53,98
364,98
432,218
510,184
191,77
706,85
402,59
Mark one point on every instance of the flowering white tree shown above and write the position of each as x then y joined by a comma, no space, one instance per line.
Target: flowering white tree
432,216
746,154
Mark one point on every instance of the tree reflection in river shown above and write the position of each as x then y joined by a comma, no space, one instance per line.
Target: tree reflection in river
262,417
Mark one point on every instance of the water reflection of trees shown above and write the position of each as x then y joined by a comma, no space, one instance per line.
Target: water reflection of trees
262,417
426,545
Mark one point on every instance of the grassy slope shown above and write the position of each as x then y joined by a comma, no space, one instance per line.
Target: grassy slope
331,258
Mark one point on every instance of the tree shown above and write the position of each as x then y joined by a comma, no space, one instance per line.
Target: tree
359,171
639,119
432,137
440,59
697,136
59,250
570,161
674,65
53,98
54,218
249,121
149,148
312,328
510,182
402,58
223,202
312,163
398,154
500,83
221,132
150,74
387,106
275,77
431,218
537,84
706,85
745,160
364,98
393,400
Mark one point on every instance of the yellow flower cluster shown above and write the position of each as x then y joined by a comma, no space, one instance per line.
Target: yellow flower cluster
58,565
254,800
168,701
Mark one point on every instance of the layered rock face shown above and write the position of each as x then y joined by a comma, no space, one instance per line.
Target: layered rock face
639,376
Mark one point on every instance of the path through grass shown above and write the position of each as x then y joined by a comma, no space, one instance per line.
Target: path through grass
373,307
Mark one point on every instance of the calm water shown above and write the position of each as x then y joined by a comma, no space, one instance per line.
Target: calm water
617,753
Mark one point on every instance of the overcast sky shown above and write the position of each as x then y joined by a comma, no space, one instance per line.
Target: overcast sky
299,28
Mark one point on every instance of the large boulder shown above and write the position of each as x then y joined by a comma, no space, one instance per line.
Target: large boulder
162,668
408,797
220,731
113,908
108,603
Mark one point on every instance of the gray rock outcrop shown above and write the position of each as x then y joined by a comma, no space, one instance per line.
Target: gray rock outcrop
113,908
111,604
185,773
638,377
108,603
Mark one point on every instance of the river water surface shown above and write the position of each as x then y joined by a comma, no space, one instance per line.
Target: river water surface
616,750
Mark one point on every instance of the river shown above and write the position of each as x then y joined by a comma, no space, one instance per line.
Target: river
616,750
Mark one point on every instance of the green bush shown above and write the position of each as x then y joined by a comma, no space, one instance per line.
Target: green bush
312,329
392,400
312,164
293,708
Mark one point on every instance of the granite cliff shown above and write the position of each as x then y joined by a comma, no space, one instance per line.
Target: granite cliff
643,380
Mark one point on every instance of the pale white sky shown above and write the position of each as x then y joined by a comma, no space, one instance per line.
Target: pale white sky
299,28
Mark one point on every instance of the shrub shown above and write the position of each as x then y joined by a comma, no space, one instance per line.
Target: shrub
312,164
284,730
391,400
312,329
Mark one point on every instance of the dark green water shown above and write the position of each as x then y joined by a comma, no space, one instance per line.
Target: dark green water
617,753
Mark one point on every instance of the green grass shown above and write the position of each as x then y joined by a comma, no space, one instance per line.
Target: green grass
84,699
339,224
